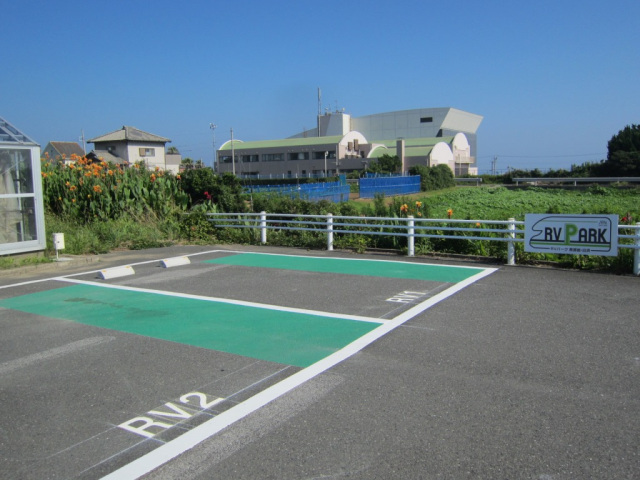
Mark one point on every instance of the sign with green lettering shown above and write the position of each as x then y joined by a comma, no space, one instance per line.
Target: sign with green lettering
571,234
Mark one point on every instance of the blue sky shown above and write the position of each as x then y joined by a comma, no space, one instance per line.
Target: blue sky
554,80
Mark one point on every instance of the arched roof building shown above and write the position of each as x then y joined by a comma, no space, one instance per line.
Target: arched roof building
427,137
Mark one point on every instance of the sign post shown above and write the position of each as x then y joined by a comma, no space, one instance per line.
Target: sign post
571,234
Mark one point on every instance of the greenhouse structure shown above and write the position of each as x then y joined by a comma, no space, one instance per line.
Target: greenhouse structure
21,203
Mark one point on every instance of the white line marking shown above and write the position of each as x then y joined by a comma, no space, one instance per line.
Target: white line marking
224,300
56,277
356,260
29,360
190,439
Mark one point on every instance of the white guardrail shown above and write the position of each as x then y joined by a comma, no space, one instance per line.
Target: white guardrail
510,231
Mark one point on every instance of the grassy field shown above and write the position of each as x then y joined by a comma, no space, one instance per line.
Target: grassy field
468,203
500,203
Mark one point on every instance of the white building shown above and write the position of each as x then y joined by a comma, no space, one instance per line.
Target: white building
428,136
130,145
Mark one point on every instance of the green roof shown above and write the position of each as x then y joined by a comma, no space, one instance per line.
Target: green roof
418,151
380,151
284,143
416,142
408,152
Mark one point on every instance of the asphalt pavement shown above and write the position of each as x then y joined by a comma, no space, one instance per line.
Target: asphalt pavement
526,373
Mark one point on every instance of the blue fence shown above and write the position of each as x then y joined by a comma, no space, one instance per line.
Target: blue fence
331,191
389,186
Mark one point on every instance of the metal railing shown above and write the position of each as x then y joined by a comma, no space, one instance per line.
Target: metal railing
510,231
476,180
576,180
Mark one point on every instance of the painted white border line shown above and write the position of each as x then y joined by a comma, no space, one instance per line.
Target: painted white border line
356,260
264,306
87,272
202,432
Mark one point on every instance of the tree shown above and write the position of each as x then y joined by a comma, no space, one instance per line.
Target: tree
623,157
433,178
386,164
187,163
173,151
225,191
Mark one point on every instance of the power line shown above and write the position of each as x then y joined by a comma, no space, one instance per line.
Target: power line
543,156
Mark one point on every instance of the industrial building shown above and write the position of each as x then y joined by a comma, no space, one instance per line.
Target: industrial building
342,144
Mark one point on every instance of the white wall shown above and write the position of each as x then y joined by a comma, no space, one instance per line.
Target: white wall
157,160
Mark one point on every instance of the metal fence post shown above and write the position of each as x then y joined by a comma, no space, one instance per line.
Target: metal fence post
329,231
411,251
263,227
636,252
511,246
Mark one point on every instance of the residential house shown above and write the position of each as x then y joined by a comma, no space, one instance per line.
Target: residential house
130,145
62,150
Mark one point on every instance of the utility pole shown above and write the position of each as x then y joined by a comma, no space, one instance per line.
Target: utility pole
493,165
233,155
325,164
213,129
84,145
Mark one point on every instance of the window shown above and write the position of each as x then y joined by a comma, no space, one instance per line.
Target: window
249,158
299,156
147,152
272,157
320,155
426,119
18,212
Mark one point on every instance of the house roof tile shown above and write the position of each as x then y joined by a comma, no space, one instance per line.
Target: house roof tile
127,133
67,148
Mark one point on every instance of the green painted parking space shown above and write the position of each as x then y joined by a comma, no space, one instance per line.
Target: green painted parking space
285,337
371,268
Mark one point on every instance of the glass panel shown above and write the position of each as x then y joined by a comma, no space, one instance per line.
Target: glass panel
17,220
16,171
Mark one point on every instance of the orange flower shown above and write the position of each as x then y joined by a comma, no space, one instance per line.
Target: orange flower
153,177
449,213
404,208
110,172
178,177
73,200
418,204
97,188
72,188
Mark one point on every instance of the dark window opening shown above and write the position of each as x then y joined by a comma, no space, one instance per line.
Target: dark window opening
426,119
